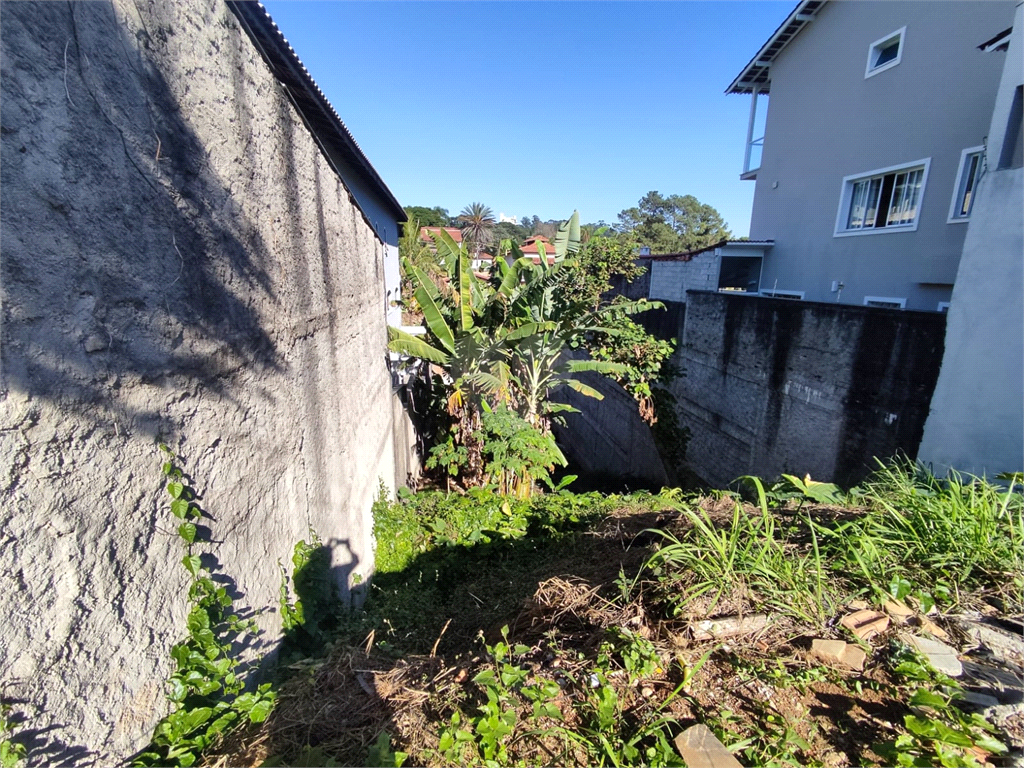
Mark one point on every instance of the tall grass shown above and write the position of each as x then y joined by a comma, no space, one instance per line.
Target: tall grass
936,537
962,530
750,559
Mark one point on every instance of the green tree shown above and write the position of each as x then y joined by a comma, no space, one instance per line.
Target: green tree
429,217
506,230
673,224
476,222
501,342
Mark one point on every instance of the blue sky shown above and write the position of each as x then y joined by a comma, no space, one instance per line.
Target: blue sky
538,108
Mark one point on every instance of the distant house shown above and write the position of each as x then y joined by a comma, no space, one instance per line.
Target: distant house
867,157
425,234
729,265
532,245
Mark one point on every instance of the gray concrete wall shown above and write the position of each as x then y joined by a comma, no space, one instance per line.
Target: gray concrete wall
607,438
826,121
774,386
670,280
976,423
179,263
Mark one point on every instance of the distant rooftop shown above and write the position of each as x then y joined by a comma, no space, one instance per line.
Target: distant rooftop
688,255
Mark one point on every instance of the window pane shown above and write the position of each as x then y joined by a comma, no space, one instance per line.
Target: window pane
856,218
896,207
887,52
874,188
973,163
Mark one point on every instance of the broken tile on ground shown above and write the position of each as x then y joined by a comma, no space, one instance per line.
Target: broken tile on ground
899,612
701,749
939,655
731,626
838,653
866,624
931,628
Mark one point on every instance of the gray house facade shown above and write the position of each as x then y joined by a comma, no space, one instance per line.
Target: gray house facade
871,147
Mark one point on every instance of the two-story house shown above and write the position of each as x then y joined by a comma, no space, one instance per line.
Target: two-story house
867,160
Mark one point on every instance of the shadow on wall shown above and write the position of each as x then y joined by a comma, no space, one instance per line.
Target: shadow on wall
126,260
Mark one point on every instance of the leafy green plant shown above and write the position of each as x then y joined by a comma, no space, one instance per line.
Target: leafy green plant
382,756
12,754
517,453
206,688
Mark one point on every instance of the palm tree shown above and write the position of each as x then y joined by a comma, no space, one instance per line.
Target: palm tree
476,222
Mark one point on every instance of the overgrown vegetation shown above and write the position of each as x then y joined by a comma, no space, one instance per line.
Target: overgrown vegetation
570,629
12,754
502,346
207,687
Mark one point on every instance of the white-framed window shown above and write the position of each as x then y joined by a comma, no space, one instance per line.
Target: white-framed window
887,302
971,161
943,306
885,53
884,200
775,293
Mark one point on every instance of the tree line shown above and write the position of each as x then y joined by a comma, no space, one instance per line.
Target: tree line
664,224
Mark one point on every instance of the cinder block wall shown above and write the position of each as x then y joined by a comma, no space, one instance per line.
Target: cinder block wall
776,386
179,264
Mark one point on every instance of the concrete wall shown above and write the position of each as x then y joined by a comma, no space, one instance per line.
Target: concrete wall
774,385
180,263
670,280
826,121
977,414
607,438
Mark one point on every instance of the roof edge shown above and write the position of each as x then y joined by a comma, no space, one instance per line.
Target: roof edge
798,18
289,70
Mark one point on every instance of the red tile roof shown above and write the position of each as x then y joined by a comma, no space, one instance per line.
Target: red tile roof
455,232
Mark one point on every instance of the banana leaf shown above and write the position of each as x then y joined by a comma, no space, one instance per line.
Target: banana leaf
413,346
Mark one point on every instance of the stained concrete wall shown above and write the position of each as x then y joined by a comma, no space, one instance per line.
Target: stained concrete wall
775,385
976,423
179,264
607,440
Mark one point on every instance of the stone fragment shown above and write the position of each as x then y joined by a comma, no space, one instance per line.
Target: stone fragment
1003,645
866,624
858,605
899,612
932,628
731,626
95,343
980,700
700,749
838,653
939,655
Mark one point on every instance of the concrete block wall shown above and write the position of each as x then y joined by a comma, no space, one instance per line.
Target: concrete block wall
777,386
180,264
670,280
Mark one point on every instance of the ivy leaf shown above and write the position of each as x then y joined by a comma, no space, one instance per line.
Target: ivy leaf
191,563
187,531
168,468
175,489
179,508
260,711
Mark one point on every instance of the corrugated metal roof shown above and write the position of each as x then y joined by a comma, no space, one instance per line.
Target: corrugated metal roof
688,255
757,72
308,99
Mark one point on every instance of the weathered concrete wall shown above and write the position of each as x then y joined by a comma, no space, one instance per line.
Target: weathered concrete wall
776,386
977,414
179,263
607,437
670,280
